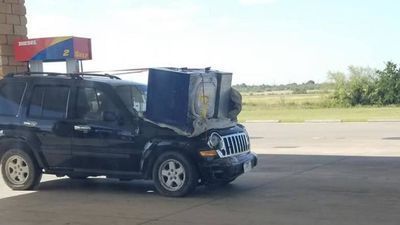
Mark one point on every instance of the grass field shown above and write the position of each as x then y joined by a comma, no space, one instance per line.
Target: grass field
297,108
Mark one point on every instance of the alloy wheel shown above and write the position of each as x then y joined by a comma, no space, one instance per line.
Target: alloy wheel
172,175
17,170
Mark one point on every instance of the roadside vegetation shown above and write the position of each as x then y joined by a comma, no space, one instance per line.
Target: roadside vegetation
361,94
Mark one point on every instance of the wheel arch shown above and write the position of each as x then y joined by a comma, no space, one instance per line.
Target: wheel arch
154,149
7,143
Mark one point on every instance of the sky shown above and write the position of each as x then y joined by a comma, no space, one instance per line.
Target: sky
259,41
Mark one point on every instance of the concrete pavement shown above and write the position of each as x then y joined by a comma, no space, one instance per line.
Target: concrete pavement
307,174
350,139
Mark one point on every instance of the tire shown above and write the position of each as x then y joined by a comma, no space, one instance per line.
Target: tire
174,175
20,170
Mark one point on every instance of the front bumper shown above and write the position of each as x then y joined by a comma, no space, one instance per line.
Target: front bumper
224,169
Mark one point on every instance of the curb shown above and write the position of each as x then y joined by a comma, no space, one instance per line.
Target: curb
383,120
262,121
323,121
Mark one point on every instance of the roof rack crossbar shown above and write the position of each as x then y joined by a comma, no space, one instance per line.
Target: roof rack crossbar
72,75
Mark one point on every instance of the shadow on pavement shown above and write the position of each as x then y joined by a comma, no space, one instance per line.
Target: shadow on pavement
282,189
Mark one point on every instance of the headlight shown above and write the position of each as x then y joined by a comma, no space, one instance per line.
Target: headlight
214,141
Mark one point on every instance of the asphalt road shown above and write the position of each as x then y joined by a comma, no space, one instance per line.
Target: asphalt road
307,174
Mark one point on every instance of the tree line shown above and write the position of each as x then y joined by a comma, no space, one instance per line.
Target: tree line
357,86
366,86
294,87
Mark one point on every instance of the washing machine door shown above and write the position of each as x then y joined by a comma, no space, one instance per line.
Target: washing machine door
204,92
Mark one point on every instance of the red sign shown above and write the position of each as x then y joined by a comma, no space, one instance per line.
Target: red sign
53,49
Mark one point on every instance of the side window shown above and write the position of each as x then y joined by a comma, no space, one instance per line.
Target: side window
92,103
133,98
10,98
139,100
49,102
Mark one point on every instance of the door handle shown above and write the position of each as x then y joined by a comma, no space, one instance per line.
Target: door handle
30,123
83,128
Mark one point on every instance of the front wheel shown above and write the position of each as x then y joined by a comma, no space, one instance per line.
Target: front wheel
20,171
174,175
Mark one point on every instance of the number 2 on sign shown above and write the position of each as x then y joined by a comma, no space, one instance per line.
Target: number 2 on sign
66,52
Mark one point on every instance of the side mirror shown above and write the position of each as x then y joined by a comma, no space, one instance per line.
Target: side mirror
109,116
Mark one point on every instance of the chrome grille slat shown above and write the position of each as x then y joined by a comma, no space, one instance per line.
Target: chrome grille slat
227,151
243,137
246,143
229,146
234,144
242,142
239,149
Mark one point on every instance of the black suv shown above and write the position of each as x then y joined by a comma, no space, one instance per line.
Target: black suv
81,125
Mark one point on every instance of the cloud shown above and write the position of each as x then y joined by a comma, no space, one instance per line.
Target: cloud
256,2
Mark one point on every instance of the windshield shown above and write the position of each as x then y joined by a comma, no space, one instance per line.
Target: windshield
134,97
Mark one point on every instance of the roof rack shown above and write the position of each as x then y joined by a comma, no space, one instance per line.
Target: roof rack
72,75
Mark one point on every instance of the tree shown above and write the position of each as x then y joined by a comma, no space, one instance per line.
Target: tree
361,85
339,81
310,82
388,84
355,88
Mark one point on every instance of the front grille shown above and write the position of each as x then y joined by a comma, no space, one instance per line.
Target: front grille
234,144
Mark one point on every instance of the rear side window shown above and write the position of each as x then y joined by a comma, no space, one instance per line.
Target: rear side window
11,97
49,102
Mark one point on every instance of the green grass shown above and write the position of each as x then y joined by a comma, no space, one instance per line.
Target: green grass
285,101
297,108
